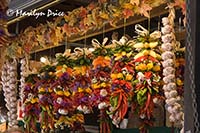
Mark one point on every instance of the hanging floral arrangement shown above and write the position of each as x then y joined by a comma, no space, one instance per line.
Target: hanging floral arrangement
147,82
31,104
101,81
64,111
45,90
81,87
122,74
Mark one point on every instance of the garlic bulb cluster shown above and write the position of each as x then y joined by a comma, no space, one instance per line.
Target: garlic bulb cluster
5,84
23,74
173,105
22,79
9,81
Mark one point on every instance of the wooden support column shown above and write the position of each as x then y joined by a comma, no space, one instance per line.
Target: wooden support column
192,71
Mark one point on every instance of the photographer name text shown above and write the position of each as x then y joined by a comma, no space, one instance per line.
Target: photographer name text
34,13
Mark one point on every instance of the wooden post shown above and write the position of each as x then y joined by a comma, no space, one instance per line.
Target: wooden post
192,71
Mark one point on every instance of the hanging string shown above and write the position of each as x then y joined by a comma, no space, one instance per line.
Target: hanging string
124,26
179,23
35,56
0,52
85,41
50,53
159,23
66,43
53,52
149,22
103,31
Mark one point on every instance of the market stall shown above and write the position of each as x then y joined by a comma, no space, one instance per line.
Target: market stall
125,78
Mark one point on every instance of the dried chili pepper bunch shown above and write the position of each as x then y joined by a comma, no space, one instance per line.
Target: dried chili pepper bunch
122,74
173,105
148,75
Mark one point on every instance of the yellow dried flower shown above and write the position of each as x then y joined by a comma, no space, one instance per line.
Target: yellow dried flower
34,100
150,66
156,68
129,77
67,93
80,89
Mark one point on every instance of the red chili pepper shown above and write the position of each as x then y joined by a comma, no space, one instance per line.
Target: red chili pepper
129,69
114,67
117,90
120,98
128,85
148,75
131,64
116,81
124,107
148,114
122,82
139,86
140,58
153,59
102,73
148,101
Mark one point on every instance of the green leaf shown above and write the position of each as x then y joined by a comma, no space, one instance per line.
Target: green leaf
82,61
141,97
135,82
143,91
150,90
43,108
114,101
155,89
